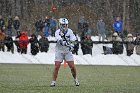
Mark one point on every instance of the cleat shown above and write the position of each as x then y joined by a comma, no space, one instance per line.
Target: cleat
53,84
76,82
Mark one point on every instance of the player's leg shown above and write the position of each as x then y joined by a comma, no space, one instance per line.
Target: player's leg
58,61
55,72
72,67
56,69
73,71
70,60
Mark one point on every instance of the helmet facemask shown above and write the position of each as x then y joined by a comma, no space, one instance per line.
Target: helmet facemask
63,27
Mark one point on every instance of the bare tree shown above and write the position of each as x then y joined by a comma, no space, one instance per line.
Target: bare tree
30,10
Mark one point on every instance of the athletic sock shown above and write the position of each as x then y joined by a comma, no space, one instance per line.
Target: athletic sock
53,81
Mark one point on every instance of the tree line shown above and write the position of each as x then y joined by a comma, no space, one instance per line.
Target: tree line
31,10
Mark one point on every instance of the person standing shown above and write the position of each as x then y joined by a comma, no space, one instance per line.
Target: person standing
118,26
53,26
137,42
43,44
34,48
39,25
101,29
65,39
10,26
2,23
17,40
2,38
81,23
23,42
88,45
129,45
86,32
47,29
117,46
9,43
76,45
16,24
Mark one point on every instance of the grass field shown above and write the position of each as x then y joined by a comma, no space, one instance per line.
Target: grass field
19,78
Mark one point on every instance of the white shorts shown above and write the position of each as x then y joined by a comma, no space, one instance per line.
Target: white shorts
64,56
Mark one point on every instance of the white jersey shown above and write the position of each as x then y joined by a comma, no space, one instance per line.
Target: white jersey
69,36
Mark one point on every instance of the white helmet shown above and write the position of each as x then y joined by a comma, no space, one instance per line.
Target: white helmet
63,23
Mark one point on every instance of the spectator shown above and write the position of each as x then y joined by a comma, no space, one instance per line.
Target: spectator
117,45
86,32
9,43
129,45
53,26
16,24
137,41
83,28
2,23
81,23
39,25
9,26
43,44
118,26
17,40
88,45
34,44
76,45
2,38
101,29
83,46
47,29
23,42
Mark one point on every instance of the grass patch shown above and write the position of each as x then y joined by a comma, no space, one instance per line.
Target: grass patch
23,78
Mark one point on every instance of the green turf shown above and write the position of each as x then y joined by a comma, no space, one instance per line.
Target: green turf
19,78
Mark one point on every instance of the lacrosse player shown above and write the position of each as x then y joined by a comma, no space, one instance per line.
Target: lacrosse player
63,50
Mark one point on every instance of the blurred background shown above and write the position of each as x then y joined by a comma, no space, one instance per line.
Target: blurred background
31,10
